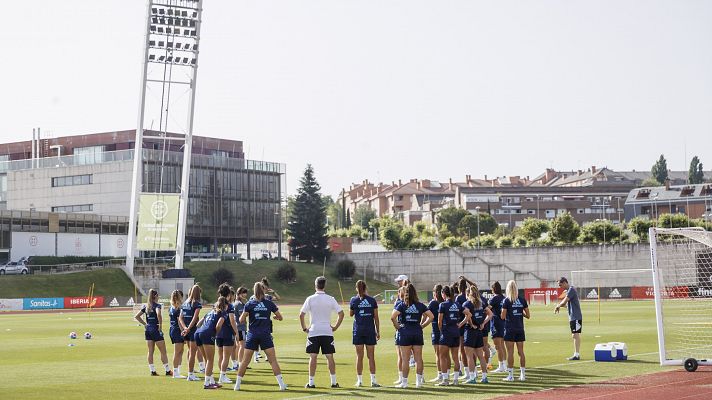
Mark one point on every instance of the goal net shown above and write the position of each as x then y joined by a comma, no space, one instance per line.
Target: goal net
682,278
542,299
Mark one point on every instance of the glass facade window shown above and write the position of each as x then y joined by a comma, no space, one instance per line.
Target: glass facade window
73,208
88,155
73,180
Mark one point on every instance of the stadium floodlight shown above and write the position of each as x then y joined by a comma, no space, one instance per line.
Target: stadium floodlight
681,261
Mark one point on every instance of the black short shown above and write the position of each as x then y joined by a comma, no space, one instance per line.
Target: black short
325,344
240,336
576,326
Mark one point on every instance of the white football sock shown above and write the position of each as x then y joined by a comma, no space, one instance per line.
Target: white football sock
280,381
207,380
152,367
167,367
373,378
176,371
311,380
333,379
419,378
404,382
238,381
456,376
201,365
359,379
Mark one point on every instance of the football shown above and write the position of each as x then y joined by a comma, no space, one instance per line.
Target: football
87,335
72,335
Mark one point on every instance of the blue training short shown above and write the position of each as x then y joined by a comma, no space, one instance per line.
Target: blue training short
154,334
449,340
190,337
497,329
204,338
435,338
514,336
174,333
257,341
368,340
409,340
474,338
225,342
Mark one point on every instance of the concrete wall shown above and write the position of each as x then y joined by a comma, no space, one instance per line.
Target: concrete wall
26,244
531,267
108,193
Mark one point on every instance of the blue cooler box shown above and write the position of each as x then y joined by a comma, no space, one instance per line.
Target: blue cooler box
604,352
621,350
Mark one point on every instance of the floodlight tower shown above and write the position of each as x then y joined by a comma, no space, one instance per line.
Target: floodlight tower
170,63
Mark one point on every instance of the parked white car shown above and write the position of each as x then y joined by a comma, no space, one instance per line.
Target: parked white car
14,267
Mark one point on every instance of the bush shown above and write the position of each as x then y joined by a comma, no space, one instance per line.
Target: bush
504,241
451,242
345,269
223,275
287,273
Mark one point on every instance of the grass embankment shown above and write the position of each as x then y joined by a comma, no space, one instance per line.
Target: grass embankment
290,293
107,282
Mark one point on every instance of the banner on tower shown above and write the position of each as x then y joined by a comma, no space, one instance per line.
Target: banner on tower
157,221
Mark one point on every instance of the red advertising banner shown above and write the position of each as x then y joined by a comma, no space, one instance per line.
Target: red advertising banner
553,293
647,292
83,302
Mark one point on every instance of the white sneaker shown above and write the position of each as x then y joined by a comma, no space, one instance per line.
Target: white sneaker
522,377
225,379
283,388
398,382
192,378
178,377
493,352
412,361
401,385
359,384
237,387
419,384
436,379
509,378
498,370
455,382
443,383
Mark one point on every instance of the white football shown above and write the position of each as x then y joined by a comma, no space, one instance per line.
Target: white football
87,335
72,335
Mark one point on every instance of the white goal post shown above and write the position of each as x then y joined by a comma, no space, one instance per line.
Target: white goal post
539,299
681,260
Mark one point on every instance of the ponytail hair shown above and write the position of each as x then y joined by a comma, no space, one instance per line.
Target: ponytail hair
411,295
437,291
194,294
455,289
512,291
224,289
176,298
462,286
473,294
152,294
496,288
221,304
361,288
447,292
259,291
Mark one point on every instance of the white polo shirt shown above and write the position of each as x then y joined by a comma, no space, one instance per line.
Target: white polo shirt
319,306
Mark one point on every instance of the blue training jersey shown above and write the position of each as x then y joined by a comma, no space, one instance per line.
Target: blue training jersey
364,311
151,315
226,332
410,317
189,308
496,304
515,313
259,315
433,307
174,314
451,317
239,308
478,313
210,322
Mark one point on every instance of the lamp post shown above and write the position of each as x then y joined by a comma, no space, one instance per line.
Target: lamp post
477,209
279,231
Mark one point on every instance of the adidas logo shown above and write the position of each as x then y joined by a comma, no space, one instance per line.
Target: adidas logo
114,303
615,294
412,309
130,302
364,304
452,307
260,307
517,303
593,294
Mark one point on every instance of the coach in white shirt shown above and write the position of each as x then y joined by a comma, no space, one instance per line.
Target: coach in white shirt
320,334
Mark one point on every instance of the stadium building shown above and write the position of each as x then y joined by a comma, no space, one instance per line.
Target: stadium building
232,201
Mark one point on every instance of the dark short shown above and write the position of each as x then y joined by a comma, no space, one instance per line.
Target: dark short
486,331
409,340
462,331
204,338
240,336
497,329
576,326
176,337
225,342
368,340
154,334
514,336
449,340
435,338
474,338
323,344
190,337
256,341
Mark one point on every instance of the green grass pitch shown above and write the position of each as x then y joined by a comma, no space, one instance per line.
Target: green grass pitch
37,363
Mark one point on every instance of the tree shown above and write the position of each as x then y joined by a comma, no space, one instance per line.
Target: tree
333,212
363,215
650,182
564,228
307,221
348,218
533,228
603,231
660,170
449,220
695,175
639,226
